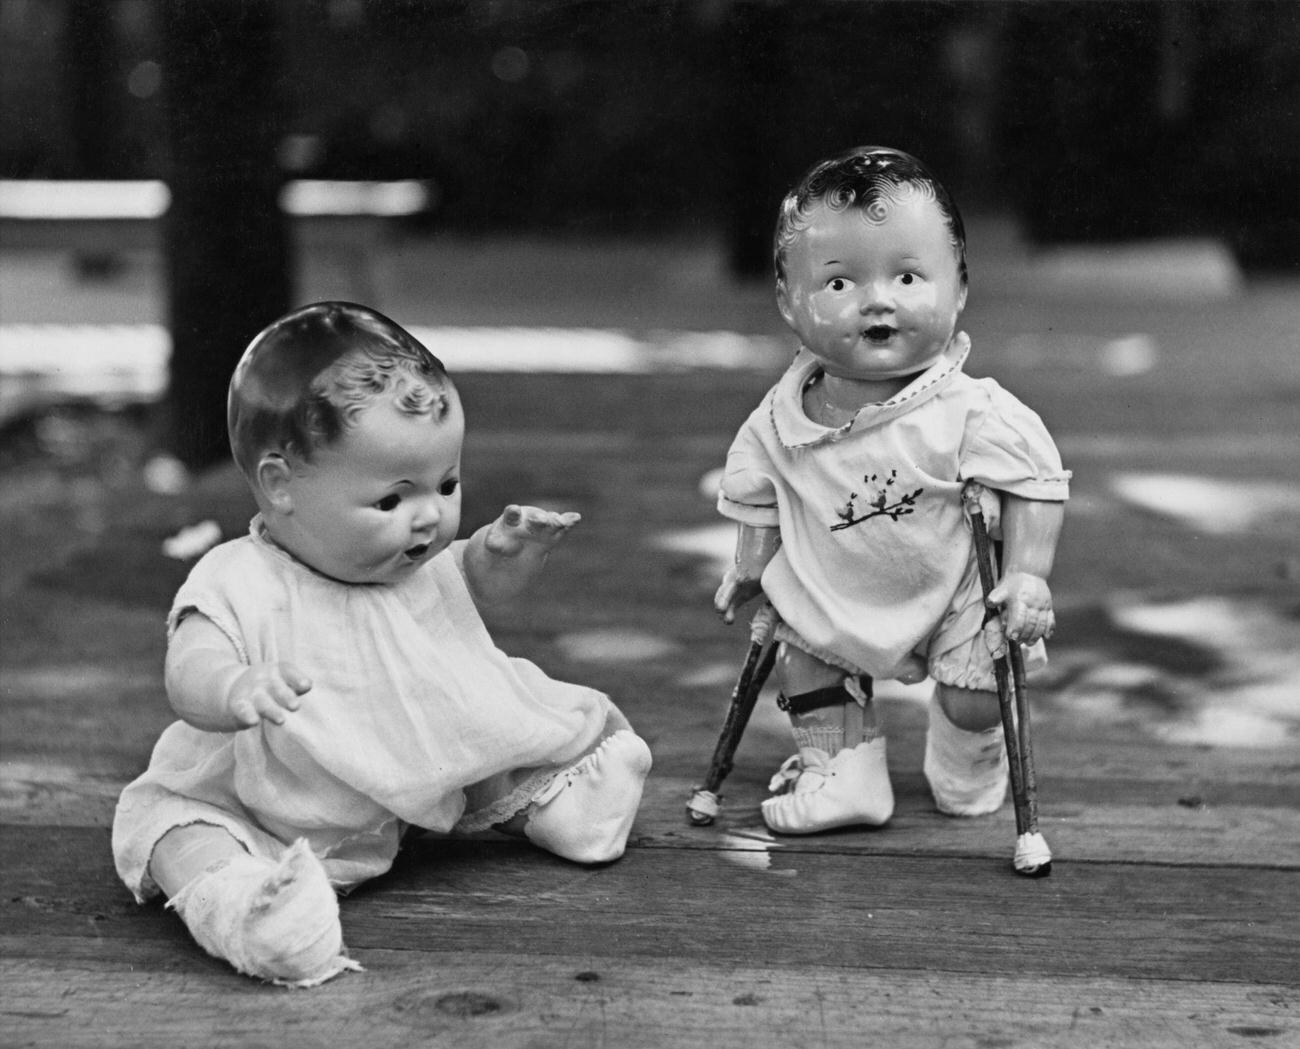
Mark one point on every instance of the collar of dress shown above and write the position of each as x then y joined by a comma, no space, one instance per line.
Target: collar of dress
795,430
262,537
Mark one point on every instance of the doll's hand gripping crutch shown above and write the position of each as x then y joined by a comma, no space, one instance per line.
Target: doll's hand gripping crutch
705,802
1032,857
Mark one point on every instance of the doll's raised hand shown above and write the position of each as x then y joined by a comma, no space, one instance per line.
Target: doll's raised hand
520,528
1026,602
264,692
503,557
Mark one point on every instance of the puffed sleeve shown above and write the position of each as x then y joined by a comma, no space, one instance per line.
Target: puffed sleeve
1007,447
747,494
206,591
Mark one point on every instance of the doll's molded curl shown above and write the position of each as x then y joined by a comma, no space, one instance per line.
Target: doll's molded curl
304,378
872,179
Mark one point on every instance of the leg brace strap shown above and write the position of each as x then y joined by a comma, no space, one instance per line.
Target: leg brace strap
832,696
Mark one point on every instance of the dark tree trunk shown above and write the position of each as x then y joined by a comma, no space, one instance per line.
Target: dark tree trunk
227,244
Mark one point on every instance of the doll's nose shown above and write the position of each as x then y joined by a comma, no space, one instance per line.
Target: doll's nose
427,515
876,296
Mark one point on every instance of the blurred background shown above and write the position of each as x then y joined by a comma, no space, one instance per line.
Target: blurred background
1088,120
1078,123
572,202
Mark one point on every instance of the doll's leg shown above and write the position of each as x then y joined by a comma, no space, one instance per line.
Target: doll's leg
965,758
586,812
840,776
824,713
277,921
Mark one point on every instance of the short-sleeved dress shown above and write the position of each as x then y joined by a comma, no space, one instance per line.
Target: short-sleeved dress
414,717
876,563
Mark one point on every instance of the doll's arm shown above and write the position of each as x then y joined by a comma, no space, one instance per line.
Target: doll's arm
211,689
502,558
1030,529
755,547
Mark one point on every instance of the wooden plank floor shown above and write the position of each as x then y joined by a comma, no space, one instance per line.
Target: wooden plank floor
1171,919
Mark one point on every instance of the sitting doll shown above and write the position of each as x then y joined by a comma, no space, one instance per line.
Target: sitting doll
335,682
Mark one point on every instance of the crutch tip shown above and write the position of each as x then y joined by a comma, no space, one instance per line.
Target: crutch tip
703,807
1033,857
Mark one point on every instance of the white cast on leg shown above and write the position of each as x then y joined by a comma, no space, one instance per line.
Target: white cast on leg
586,812
276,921
967,771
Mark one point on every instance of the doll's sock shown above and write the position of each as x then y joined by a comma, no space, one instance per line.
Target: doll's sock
830,719
967,771
585,814
812,734
276,921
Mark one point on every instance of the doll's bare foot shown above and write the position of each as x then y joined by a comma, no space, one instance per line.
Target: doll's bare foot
823,792
276,921
586,812
967,771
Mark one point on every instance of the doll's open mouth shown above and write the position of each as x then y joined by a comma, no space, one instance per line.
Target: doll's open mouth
417,552
879,332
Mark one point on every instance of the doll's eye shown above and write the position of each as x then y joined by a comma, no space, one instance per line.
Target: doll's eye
838,284
449,487
908,278
389,503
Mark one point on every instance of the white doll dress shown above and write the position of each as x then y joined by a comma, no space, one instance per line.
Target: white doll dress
876,562
414,717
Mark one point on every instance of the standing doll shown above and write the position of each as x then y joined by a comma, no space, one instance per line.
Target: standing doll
335,682
846,484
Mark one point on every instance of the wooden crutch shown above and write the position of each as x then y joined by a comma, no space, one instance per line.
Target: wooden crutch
706,800
1032,857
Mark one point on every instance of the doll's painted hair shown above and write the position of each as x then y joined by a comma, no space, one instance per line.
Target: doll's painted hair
865,178
307,376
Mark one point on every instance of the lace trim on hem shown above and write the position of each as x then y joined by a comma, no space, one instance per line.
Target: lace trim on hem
954,668
534,788
511,805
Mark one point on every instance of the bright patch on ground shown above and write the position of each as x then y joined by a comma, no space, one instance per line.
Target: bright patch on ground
1129,355
752,850
614,646
1209,505
714,544
1250,697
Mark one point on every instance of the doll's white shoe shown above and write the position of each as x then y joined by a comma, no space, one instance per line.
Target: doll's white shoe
967,771
821,792
276,921
585,814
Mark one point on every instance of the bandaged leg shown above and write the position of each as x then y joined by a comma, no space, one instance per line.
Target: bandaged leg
585,814
817,791
967,770
277,921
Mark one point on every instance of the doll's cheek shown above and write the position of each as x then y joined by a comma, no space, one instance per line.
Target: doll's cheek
824,314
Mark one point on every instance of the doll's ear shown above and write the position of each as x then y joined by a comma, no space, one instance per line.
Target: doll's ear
783,303
273,477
